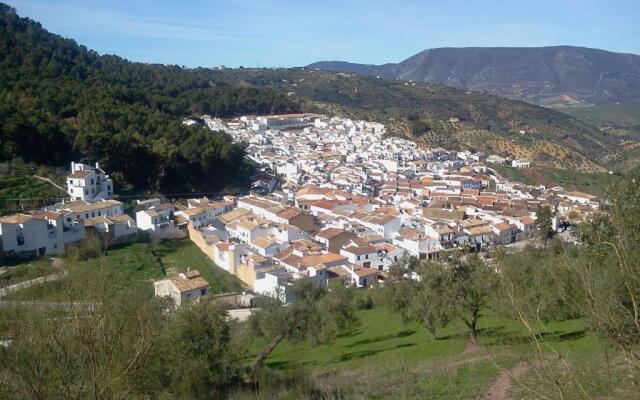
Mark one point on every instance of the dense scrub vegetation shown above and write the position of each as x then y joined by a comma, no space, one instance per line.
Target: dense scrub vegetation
60,101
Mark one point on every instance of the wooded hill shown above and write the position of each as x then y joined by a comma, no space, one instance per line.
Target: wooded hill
60,101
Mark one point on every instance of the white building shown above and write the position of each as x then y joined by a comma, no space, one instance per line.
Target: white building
518,163
88,183
274,283
115,229
187,286
37,235
79,210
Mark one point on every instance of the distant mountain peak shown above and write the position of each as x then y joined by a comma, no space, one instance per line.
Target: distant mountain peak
540,75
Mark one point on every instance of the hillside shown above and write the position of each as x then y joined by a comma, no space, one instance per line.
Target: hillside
60,101
540,75
424,111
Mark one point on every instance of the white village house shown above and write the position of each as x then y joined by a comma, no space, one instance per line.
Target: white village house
187,286
89,183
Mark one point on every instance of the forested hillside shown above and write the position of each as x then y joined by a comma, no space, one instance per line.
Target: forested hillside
60,101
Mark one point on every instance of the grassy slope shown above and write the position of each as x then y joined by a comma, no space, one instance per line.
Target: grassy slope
386,357
593,183
20,190
621,116
619,120
12,274
134,264
383,356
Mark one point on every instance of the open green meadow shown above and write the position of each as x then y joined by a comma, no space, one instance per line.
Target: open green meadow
139,264
382,356
592,183
385,357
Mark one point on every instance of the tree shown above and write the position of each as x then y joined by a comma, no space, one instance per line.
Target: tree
608,269
197,345
414,299
545,224
317,314
457,287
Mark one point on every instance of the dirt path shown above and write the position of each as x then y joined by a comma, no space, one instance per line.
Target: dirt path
48,180
500,386
472,347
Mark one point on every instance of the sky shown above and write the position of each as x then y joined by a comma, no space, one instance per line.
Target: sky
286,33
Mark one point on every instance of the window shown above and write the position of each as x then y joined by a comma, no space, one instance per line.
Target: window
203,292
99,213
358,257
92,181
87,215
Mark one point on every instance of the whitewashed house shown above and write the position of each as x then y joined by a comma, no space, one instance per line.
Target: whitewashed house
89,183
188,286
37,235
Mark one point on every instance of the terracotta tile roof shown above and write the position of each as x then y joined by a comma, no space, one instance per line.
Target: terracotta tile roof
503,226
80,206
328,233
187,285
15,219
527,220
97,221
361,250
81,174
363,271
47,215
120,218
289,214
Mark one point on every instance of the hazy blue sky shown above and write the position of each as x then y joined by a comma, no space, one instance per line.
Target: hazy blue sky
295,33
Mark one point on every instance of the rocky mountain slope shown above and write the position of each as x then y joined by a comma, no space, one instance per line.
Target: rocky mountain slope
540,75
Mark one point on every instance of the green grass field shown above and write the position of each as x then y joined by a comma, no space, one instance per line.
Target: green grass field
387,358
20,190
135,264
592,183
624,115
12,274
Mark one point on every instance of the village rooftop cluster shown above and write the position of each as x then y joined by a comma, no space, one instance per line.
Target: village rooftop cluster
333,199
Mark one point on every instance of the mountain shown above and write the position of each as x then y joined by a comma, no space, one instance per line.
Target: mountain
541,75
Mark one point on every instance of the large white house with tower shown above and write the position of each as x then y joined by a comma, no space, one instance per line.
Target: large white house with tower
89,183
